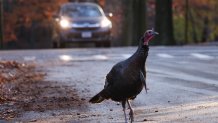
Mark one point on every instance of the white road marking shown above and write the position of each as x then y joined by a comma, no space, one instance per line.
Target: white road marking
82,58
65,58
164,55
202,56
100,57
126,55
29,58
183,76
183,62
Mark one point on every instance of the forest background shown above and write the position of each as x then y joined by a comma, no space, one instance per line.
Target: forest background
179,22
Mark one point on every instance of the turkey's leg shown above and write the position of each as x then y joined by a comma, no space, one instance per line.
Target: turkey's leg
142,77
131,113
124,110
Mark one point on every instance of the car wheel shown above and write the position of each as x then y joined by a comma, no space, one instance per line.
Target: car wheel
54,45
62,45
98,44
107,44
103,44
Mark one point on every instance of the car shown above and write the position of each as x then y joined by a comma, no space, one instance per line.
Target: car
82,23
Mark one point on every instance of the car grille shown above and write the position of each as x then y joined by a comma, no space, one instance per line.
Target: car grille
87,29
94,35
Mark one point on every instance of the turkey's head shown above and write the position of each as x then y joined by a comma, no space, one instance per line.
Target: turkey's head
148,35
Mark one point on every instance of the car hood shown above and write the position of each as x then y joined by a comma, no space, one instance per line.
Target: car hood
89,20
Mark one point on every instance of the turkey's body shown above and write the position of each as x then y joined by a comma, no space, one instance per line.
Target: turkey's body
126,79
123,81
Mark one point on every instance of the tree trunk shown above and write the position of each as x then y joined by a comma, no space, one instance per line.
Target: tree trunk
139,17
164,23
127,22
134,23
1,25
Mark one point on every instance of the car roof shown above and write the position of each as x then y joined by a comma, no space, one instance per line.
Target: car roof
70,4
80,3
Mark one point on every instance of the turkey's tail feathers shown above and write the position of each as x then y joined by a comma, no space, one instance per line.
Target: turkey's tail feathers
97,98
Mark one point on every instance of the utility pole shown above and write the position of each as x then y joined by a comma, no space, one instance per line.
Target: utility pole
1,24
186,20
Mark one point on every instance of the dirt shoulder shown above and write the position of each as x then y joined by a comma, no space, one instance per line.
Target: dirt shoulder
23,88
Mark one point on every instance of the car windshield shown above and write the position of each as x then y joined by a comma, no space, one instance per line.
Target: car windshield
82,11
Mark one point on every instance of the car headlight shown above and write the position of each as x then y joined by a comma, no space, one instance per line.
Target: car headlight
65,23
106,23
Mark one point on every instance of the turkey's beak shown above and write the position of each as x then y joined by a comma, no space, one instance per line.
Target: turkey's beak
155,33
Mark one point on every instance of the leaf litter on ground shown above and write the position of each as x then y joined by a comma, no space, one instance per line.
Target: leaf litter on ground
23,88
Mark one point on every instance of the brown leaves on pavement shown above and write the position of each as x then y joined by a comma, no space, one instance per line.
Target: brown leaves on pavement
23,88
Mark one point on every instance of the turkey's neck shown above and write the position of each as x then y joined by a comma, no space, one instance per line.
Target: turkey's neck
140,56
142,50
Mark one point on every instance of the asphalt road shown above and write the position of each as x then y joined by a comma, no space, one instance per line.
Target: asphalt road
182,82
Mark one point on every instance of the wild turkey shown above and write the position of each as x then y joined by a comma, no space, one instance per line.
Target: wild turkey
127,78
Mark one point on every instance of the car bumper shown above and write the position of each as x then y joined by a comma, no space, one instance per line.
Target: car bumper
77,35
